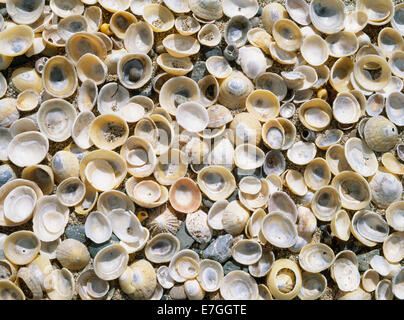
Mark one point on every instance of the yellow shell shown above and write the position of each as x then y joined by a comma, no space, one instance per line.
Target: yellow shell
284,280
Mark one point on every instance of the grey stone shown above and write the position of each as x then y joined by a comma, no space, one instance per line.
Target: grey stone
94,248
207,203
199,70
3,12
178,293
233,196
255,22
77,233
241,173
220,249
216,51
186,240
364,259
160,49
230,266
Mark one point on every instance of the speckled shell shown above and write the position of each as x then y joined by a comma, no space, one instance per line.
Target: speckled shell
381,134
72,254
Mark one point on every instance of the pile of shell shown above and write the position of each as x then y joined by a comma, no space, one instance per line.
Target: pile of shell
191,166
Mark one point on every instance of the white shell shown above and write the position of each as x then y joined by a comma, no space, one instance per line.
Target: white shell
239,285
164,278
346,274
279,230
176,260
210,275
192,116
215,214
55,119
98,227
162,247
360,157
316,257
247,252
28,148
110,262
302,153
126,226
50,218
327,16
398,284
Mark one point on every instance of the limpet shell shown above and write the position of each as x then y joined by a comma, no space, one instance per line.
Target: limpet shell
158,17
353,189
28,148
326,203
284,280
340,225
162,247
55,119
247,252
108,131
21,247
212,10
110,262
317,174
98,227
360,157
395,215
313,286
246,287
327,16
247,8
302,153
279,230
59,77
184,195
316,257
72,254
16,40
210,275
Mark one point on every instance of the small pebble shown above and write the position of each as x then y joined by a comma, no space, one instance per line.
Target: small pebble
94,248
230,266
231,52
199,71
364,259
220,249
207,203
216,51
160,49
152,53
233,196
186,240
76,232
178,293
6,174
241,173
255,22
3,12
